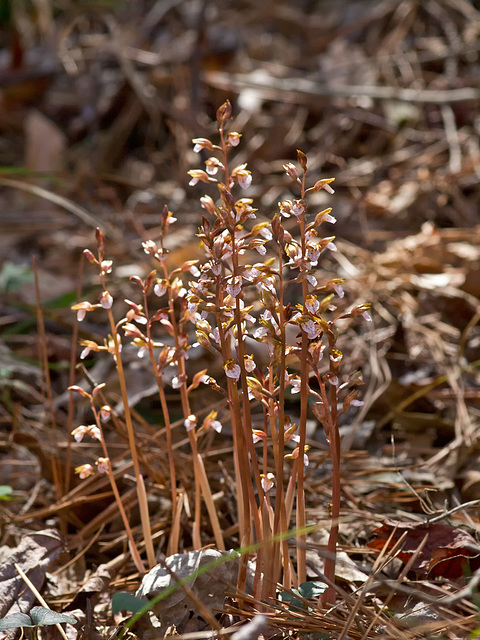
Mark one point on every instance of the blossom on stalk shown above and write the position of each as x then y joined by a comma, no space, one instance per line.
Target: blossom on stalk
324,183
106,266
212,166
194,270
103,465
295,384
177,288
211,422
88,346
178,381
244,208
106,300
361,310
316,350
328,218
336,285
336,357
80,391
232,369
198,175
160,287
259,245
150,248
312,305
105,413
242,175
252,274
258,435
291,170
207,203
234,285
285,208
298,208
131,330
190,422
249,363
135,312
91,429
84,471
313,253
294,455
82,307
202,143
233,138
312,329
267,481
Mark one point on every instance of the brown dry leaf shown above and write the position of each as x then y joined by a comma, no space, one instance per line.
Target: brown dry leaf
35,554
95,585
45,144
210,587
448,552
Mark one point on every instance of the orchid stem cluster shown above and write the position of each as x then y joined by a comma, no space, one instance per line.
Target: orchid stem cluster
256,305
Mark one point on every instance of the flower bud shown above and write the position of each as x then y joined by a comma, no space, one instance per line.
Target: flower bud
302,159
100,238
291,170
233,138
324,184
79,390
89,256
208,204
103,465
201,143
224,113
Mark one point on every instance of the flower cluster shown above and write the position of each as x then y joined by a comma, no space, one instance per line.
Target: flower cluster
237,306
95,430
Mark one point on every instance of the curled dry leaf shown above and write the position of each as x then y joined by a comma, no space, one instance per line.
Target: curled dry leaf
35,554
448,552
209,587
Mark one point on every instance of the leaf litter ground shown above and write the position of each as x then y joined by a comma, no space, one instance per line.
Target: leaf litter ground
102,136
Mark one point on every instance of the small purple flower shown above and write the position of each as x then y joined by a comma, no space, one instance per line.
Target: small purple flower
233,138
312,329
84,471
190,423
249,363
232,369
176,382
234,286
328,218
105,413
106,300
338,290
102,465
298,208
312,305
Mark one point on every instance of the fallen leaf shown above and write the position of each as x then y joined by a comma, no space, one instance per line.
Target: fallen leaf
35,554
210,587
448,552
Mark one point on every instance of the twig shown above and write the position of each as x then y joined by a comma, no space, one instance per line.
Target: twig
36,593
297,89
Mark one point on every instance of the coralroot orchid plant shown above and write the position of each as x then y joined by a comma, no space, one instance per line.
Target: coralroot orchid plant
235,301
